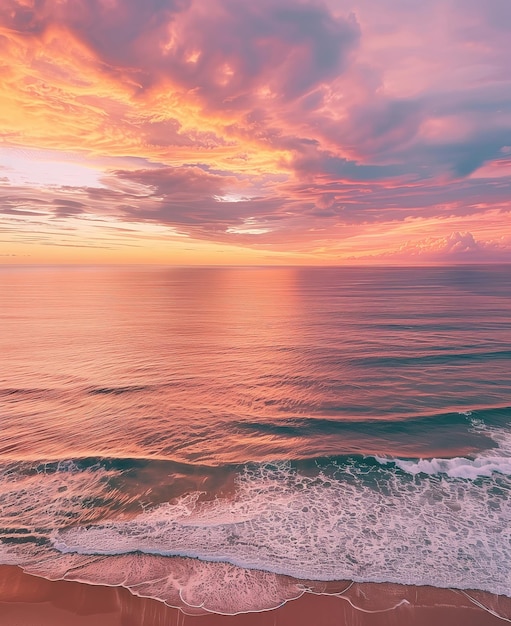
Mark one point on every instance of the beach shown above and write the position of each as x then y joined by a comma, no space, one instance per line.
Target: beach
32,601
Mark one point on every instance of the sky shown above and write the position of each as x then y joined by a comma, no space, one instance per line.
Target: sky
242,132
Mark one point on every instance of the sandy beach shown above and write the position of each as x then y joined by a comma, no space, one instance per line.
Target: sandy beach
27,600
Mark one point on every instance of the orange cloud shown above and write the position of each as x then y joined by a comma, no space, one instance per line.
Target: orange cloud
324,131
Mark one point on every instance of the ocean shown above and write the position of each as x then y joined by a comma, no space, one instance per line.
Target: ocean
222,438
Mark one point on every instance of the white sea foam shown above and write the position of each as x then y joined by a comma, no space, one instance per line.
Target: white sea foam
458,467
195,586
484,464
48,496
369,523
440,522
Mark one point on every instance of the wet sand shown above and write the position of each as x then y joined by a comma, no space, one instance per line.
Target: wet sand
27,600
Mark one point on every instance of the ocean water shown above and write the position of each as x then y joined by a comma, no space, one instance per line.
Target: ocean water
223,438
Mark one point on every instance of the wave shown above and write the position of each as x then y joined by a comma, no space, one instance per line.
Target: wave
117,391
416,425
24,391
484,464
454,468
363,521
438,522
434,359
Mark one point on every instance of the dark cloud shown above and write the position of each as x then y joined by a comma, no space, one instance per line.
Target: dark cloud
20,17
372,202
13,204
478,150
166,133
237,47
379,127
224,54
191,199
20,212
329,166
487,18
111,28
196,201
459,158
67,208
180,182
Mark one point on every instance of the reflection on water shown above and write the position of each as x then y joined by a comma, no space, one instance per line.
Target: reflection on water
194,363
274,418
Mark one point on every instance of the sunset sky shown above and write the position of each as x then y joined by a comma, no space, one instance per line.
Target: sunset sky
255,132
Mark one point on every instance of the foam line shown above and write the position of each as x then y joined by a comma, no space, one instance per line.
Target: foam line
360,523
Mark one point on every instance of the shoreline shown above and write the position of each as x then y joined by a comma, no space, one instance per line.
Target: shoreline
26,600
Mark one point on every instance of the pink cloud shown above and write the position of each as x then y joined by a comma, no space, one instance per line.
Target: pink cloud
359,113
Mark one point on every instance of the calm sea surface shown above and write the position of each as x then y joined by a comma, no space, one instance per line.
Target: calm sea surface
240,424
